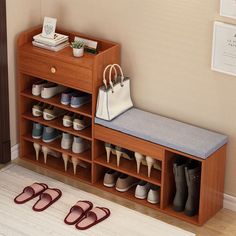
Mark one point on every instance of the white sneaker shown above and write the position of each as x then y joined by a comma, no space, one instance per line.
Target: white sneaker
81,123
68,119
66,141
49,90
52,112
154,195
79,145
142,189
37,87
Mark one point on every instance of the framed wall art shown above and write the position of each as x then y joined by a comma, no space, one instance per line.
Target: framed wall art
224,48
228,8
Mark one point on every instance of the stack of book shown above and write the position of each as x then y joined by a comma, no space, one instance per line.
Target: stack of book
59,42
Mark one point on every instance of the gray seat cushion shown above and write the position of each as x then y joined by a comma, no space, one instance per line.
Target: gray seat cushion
167,132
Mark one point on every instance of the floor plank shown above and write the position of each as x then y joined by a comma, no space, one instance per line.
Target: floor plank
21,220
223,223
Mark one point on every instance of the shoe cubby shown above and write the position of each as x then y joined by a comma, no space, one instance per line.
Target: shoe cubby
57,163
26,92
57,124
100,171
127,166
184,186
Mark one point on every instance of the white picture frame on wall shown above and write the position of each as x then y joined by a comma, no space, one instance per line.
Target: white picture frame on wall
224,48
228,8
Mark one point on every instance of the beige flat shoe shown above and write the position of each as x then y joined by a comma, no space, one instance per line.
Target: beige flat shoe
125,182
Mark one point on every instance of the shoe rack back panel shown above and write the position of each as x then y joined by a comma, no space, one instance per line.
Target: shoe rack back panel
85,74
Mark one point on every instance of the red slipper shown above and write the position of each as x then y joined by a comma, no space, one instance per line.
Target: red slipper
47,198
77,212
93,217
30,192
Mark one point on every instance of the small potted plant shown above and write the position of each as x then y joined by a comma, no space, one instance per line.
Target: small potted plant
78,48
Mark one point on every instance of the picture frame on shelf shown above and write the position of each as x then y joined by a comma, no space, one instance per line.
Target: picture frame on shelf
224,48
228,8
49,27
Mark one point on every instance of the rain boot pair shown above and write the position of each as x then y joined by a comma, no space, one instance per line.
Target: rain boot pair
187,181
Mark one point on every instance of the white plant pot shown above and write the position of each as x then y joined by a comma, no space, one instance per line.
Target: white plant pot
78,52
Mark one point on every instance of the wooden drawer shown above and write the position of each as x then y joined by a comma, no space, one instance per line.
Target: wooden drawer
56,71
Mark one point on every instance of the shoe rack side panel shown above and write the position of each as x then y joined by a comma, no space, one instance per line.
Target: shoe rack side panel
22,83
212,185
109,56
168,184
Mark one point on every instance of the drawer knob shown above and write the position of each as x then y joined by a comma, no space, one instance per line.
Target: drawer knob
53,70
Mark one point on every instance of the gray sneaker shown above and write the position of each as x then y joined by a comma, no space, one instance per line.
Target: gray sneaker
79,145
37,131
80,99
66,141
49,134
110,178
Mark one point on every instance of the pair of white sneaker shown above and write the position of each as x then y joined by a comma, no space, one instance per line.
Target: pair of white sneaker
46,89
78,122
148,191
77,144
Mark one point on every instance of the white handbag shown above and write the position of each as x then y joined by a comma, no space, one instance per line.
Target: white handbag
113,98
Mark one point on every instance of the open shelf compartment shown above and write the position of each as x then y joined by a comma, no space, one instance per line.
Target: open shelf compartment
56,164
130,194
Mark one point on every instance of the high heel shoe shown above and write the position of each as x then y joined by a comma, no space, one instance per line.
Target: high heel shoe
37,148
125,153
75,162
150,162
108,148
47,151
66,158
139,157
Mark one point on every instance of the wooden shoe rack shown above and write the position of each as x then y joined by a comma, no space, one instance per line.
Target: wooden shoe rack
85,74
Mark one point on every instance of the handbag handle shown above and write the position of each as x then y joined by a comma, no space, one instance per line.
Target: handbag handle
121,72
104,74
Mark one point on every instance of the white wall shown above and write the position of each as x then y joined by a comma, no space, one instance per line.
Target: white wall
21,14
166,49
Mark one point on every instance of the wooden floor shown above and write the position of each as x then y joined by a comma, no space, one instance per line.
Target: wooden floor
223,223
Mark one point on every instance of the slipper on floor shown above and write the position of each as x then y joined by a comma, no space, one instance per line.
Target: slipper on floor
30,192
78,211
47,198
93,217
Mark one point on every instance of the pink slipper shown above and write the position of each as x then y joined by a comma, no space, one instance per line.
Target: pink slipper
30,192
47,198
78,211
93,217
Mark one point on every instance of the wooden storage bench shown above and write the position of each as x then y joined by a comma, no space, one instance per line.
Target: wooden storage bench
85,74
163,138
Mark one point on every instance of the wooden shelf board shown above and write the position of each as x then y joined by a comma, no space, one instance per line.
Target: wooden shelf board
181,215
57,165
129,167
56,146
57,124
128,195
85,110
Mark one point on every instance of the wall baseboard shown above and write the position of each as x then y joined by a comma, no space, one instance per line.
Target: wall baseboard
229,201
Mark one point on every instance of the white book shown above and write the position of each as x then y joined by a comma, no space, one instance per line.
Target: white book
51,48
58,39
